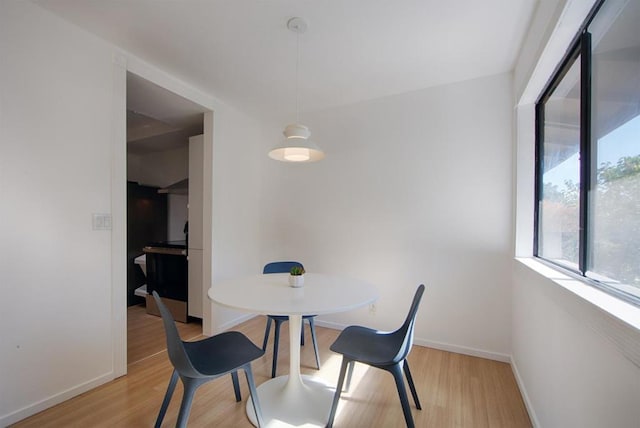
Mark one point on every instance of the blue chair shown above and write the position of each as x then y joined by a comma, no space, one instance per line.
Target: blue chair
386,351
197,363
285,267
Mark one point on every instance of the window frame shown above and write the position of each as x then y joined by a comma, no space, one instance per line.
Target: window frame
580,47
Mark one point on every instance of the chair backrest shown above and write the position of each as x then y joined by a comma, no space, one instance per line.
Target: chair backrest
175,348
405,332
280,267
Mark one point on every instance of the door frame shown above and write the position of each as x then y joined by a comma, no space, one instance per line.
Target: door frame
123,63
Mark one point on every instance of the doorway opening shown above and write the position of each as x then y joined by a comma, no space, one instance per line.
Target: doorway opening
164,214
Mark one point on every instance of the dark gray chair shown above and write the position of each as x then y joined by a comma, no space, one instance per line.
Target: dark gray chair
384,350
285,267
197,363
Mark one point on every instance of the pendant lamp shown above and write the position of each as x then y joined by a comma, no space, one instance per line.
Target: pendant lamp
297,147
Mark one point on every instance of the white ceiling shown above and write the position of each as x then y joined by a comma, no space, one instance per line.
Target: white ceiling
241,51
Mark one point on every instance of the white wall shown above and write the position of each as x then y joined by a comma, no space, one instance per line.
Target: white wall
58,89
56,97
574,362
240,205
415,188
572,374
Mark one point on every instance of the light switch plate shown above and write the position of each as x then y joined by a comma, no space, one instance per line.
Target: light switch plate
101,221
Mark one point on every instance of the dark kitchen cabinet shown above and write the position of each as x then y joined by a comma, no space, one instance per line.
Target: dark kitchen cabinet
147,220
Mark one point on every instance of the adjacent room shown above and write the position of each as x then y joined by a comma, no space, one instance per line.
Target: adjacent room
305,213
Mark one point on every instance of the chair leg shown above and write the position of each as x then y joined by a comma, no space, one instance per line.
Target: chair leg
315,341
396,371
266,334
236,386
412,387
352,364
254,394
167,398
190,386
336,396
276,342
302,333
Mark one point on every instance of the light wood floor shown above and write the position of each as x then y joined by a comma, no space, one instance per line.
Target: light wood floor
455,391
145,333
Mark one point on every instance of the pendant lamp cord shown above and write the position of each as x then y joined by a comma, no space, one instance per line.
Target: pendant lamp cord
297,76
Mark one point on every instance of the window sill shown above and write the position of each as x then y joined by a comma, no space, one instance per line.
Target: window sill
618,320
623,311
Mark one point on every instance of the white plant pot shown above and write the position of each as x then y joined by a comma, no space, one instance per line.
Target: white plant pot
296,280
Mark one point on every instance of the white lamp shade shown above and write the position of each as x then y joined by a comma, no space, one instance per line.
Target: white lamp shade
296,147
296,150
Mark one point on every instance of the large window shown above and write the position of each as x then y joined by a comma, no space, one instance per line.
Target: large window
588,154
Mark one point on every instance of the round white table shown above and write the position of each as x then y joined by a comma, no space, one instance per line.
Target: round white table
293,400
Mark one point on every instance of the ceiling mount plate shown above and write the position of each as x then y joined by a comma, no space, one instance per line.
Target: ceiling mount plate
297,25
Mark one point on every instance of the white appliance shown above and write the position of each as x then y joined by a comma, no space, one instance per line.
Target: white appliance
194,244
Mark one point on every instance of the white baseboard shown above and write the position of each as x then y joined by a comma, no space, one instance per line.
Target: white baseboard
51,401
234,322
525,396
464,350
331,325
496,356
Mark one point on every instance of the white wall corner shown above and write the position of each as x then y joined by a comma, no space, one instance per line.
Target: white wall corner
525,396
207,222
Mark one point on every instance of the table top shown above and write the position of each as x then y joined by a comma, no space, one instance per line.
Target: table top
271,294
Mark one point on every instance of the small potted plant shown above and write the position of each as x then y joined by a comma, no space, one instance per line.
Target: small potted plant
296,276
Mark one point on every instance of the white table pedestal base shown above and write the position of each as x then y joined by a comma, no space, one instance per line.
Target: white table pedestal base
294,400
306,406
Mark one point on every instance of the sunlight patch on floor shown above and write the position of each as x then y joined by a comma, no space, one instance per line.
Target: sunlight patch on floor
329,372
